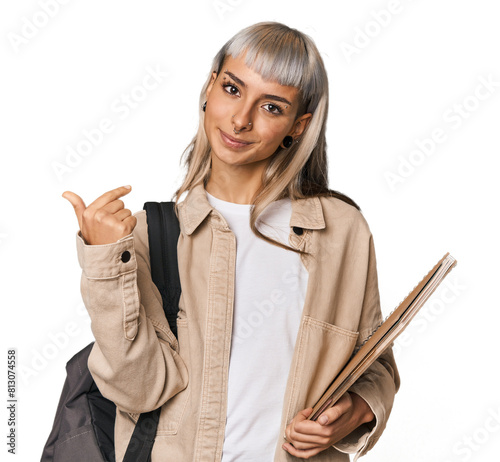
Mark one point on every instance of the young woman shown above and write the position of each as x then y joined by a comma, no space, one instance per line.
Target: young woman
278,275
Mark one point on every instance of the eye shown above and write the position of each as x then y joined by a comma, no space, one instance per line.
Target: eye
230,88
273,108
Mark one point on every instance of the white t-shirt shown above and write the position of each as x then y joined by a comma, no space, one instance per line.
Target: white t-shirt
270,289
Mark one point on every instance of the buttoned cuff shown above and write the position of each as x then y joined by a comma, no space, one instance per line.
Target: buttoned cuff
107,260
363,438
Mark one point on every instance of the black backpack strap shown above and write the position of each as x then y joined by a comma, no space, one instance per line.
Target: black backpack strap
163,234
141,443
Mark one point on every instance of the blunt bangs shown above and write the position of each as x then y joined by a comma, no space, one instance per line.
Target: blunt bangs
280,54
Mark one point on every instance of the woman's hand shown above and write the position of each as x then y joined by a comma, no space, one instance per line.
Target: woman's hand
306,438
105,220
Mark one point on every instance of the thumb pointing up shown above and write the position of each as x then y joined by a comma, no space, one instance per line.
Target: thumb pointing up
105,220
77,203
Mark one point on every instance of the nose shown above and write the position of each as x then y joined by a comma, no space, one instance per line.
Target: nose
241,122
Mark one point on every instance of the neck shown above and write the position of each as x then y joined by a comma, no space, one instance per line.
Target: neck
235,183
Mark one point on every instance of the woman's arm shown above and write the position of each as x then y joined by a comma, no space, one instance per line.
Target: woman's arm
134,361
357,421
380,382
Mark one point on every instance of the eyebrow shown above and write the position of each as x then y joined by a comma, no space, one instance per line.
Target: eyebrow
267,96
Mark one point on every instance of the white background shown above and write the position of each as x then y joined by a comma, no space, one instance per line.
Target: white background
417,72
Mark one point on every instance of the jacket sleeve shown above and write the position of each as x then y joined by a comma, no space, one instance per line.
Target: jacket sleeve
379,384
134,361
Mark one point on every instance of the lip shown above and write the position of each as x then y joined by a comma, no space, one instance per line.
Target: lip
233,142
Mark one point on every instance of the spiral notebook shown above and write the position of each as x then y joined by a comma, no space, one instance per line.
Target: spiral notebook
384,335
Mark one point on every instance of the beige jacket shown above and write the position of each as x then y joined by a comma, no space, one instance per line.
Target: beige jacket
139,364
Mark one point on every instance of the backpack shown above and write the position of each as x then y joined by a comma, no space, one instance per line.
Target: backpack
83,429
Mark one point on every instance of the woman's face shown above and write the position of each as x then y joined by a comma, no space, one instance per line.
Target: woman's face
262,113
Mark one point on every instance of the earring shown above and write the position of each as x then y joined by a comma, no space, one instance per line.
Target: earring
287,141
204,107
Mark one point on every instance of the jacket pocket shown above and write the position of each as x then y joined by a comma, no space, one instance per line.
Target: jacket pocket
172,411
321,352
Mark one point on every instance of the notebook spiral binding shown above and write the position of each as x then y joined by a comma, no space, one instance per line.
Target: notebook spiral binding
373,332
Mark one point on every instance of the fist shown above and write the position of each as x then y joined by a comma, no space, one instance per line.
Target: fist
306,438
105,220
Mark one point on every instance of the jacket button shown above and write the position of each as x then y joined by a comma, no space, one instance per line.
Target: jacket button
125,256
298,230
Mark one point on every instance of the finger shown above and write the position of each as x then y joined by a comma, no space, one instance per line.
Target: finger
334,413
301,416
308,439
306,427
302,424
308,431
304,454
110,196
131,223
114,206
305,412
294,436
304,446
77,203
122,214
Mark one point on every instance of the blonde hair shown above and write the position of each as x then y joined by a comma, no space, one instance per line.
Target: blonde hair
290,57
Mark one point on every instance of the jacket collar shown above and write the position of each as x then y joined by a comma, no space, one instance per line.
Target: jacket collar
306,213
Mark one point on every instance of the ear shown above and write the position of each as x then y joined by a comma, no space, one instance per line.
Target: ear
300,125
211,84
